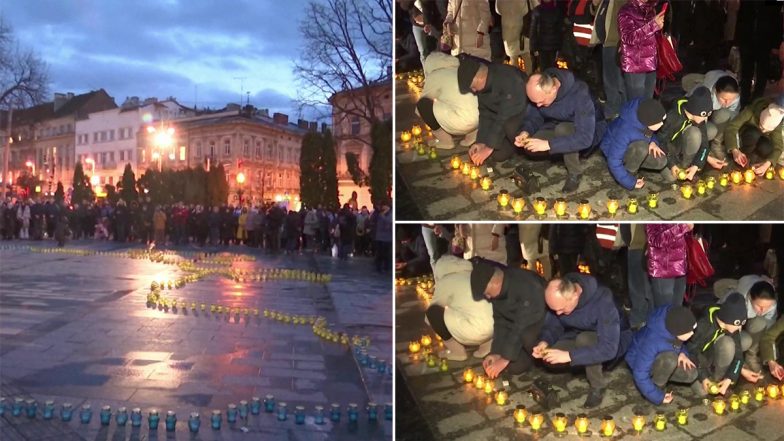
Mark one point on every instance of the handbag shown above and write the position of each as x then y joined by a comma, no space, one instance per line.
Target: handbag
668,63
699,268
447,41
527,21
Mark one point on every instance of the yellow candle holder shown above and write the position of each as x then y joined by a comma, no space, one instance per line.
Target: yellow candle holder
734,403
520,414
608,426
719,406
474,175
745,397
560,207
759,393
701,187
431,361
584,209
480,382
501,397
736,177
518,204
416,130
748,176
682,416
710,182
612,206
682,175
724,179
581,423
536,420
773,391
560,421
486,183
638,423
455,162
540,207
433,153
414,347
781,173
770,173
466,169
468,375
660,422
421,149
687,190
503,198
782,389
713,389
489,387
653,200
426,340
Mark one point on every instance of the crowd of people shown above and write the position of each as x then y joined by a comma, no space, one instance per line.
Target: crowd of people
568,296
720,119
352,230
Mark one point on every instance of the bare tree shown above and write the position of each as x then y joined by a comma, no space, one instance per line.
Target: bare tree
24,78
348,46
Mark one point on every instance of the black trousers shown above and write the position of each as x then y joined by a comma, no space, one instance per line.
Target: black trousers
435,315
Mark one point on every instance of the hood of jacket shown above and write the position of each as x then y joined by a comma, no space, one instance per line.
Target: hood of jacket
438,60
567,82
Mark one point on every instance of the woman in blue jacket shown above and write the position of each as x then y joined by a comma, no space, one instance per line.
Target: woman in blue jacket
657,354
629,143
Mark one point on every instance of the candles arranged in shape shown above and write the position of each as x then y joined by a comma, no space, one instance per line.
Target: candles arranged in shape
745,396
701,187
456,162
719,405
653,199
686,190
584,209
713,389
773,391
416,130
749,176
638,422
405,136
520,414
414,347
734,403
736,177
660,422
489,387
770,173
612,206
608,426
581,423
426,340
560,207
540,206
480,382
632,206
468,375
474,174
759,393
536,420
466,169
710,182
518,204
724,179
503,198
433,153
486,183
501,397
560,421
781,173
682,415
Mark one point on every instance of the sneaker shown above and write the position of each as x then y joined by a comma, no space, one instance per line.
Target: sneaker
483,349
525,180
544,394
469,139
594,399
572,183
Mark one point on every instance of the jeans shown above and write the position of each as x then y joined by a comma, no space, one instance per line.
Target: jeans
421,42
724,353
688,143
593,372
431,243
668,291
612,78
754,328
639,288
665,369
639,85
524,361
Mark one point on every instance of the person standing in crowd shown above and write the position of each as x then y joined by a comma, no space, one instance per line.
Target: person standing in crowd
638,24
658,355
605,32
23,216
547,30
758,30
242,233
567,242
468,22
512,13
573,334
311,229
383,236
483,240
639,287
535,247
755,136
667,262
361,238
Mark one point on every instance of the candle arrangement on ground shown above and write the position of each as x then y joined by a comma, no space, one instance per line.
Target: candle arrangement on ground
653,200
503,198
540,207
520,414
612,206
638,423
748,176
517,205
581,423
607,427
560,421
660,422
559,207
682,416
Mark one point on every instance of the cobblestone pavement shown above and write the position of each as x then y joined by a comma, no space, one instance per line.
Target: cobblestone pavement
442,194
455,411
76,328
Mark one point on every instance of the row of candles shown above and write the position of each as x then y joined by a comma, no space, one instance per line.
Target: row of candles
265,274
233,412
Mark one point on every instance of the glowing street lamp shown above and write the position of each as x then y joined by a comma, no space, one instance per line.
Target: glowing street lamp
240,181
31,165
95,180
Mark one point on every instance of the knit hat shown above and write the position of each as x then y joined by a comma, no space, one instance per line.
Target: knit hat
466,72
771,117
650,112
680,320
700,102
480,277
733,310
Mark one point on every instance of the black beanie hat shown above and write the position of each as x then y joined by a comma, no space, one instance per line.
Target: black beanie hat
733,310
679,321
700,102
466,72
650,112
480,277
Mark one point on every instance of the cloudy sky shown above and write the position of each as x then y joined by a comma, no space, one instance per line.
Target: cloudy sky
194,50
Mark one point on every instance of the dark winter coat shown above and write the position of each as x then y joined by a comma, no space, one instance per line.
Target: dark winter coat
702,345
666,250
547,28
673,127
759,23
502,98
567,238
623,131
574,104
596,311
647,343
520,305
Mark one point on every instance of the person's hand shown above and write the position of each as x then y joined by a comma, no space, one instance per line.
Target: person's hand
539,350
419,19
640,183
479,40
659,19
521,139
750,376
691,171
740,158
494,243
655,151
675,170
537,145
400,265
724,385
494,364
479,153
760,169
776,370
684,361
428,29
557,356
668,398
717,163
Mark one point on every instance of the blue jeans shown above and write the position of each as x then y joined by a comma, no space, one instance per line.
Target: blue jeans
639,288
419,36
666,291
613,81
431,243
639,85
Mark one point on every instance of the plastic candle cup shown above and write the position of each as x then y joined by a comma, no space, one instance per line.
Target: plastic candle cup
682,175
194,422
501,397
710,182
782,389
503,198
713,388
455,162
444,366
540,206
416,130
770,173
136,417
372,410
431,361
388,411
153,419
520,414
426,340
372,362
48,412
749,176
18,406
724,179
536,421
466,170
745,396
414,347
86,414
299,415
66,412
773,391
122,416
334,413
433,153
282,411
488,387
32,408
468,375
608,426
382,366
318,415
584,209
269,403
171,421
215,420
421,149
638,423
736,177
353,413
701,187
612,206
106,415
734,402
559,422
405,136
719,405
474,174
686,190
243,409
480,382
759,393
255,405
660,422
581,423
517,205
560,207
486,183
781,173
682,416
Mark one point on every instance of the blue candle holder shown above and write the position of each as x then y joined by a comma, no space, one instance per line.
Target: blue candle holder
388,411
255,405
382,366
153,419
231,413
122,417
66,412
243,409
2,406
86,414
16,410
334,413
318,415
282,412
32,408
269,403
372,362
372,410
171,421
136,417
48,412
194,422
353,413
363,358
299,415
106,415
215,420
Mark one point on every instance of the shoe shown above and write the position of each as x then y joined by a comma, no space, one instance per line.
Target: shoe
667,176
454,351
594,399
443,140
469,139
483,349
525,180
544,394
572,183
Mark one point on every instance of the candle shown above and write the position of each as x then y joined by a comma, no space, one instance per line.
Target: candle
638,422
770,173
433,153
759,393
503,198
719,405
560,207
468,375
536,421
682,175
489,387
608,426
581,423
713,388
456,162
431,361
485,183
474,174
660,422
686,190
773,391
782,389
710,183
584,209
518,204
724,179
414,347
559,422
405,136
480,382
683,416
421,149
612,206
426,340
745,396
540,205
416,130
736,177
734,402
701,187
501,397
520,414
653,199
749,176
781,173
444,366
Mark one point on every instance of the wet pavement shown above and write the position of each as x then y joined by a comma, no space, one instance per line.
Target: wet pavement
439,193
443,407
77,328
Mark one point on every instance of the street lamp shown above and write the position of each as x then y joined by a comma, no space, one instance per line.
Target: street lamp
163,139
240,181
31,165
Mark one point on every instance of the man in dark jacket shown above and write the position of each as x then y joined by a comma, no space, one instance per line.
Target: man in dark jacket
500,90
719,345
657,354
563,120
584,327
517,296
757,31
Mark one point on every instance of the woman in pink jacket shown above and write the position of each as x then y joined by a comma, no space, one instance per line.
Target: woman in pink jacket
667,262
638,23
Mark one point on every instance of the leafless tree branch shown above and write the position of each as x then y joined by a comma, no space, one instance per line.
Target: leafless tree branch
24,77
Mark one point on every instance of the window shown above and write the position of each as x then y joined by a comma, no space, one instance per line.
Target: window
227,147
182,153
269,153
291,156
199,152
130,155
103,136
212,148
122,155
103,158
95,137
280,156
246,149
130,133
355,125
258,149
111,135
111,156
